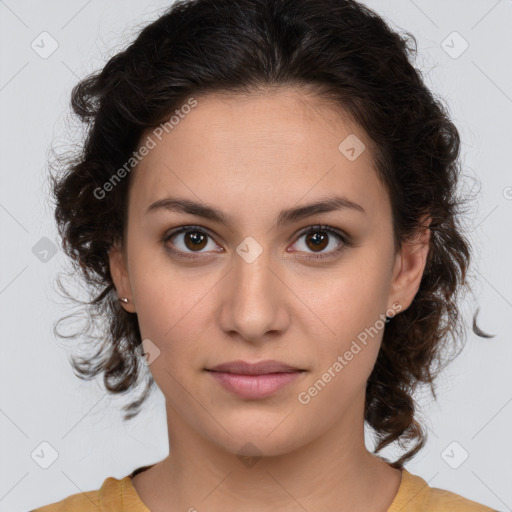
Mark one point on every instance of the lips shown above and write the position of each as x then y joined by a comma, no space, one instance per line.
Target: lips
254,381
259,368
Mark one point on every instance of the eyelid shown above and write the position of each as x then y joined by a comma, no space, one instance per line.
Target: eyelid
323,227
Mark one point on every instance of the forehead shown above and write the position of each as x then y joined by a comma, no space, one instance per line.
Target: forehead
285,142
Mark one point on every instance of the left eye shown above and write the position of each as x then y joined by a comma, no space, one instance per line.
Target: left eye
318,238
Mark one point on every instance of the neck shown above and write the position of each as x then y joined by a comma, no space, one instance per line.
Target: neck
335,471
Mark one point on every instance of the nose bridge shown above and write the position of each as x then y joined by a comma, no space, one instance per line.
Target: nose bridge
255,305
252,270
254,279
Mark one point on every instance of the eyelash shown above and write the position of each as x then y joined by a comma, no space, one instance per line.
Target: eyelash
345,240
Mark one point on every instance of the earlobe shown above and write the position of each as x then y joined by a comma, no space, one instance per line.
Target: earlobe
410,265
120,278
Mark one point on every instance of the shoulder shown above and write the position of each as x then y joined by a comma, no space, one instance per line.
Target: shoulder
109,497
415,495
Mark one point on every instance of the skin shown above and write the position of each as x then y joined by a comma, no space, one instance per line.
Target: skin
251,157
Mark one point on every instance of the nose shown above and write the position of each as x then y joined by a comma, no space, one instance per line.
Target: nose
254,301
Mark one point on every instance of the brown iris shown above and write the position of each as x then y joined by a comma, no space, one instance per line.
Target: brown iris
318,241
198,240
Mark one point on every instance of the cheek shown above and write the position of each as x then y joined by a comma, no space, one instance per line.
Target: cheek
169,321
352,326
158,313
349,319
161,293
346,302
171,313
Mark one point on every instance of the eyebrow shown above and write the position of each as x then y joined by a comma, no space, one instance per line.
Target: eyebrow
177,204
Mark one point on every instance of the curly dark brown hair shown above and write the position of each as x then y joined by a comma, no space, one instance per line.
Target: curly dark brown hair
342,51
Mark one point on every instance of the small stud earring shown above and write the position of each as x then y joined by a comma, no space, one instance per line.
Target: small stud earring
124,300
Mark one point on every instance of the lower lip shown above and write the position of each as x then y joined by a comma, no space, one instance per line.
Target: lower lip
254,386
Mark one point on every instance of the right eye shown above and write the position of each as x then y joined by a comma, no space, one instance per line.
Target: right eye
190,239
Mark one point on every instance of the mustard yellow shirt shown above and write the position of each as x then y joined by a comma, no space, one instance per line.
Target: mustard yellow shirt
414,495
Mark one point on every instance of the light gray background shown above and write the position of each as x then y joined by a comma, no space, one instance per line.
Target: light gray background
42,400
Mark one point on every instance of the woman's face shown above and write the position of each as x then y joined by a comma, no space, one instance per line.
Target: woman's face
249,284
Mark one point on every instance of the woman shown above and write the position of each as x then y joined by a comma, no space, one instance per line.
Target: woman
266,205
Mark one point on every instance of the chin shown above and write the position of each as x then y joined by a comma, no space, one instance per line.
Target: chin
252,437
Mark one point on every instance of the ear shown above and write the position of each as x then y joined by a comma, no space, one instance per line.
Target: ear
120,277
409,266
